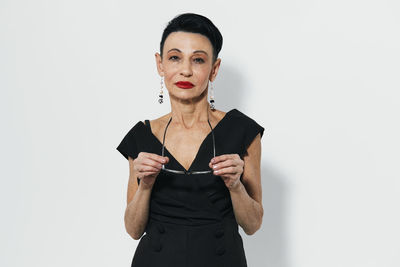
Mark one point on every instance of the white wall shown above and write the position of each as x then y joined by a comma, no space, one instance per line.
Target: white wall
322,77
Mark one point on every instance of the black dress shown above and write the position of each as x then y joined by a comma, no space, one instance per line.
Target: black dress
191,221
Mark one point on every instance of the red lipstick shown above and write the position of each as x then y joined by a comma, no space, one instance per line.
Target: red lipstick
184,85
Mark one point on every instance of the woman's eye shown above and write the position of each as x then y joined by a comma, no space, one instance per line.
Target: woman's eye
173,58
199,60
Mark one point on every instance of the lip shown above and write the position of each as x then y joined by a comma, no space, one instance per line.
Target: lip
184,85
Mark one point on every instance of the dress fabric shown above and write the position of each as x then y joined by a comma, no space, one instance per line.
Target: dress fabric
191,220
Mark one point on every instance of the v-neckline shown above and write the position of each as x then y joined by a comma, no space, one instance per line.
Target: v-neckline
201,144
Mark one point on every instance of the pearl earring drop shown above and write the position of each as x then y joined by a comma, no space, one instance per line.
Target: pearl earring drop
212,96
160,96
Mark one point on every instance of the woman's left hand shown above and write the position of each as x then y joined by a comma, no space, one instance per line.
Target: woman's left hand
229,167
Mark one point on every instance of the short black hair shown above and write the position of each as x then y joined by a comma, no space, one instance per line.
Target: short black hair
194,23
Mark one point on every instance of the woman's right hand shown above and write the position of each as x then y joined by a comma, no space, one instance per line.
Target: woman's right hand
148,166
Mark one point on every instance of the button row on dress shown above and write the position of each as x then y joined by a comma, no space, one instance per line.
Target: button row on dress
219,233
157,242
220,251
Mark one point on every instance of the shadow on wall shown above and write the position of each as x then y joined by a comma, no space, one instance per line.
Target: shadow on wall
268,246
228,89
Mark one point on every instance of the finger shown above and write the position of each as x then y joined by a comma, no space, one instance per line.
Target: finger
146,168
226,170
221,158
157,158
151,162
237,161
237,165
145,164
224,164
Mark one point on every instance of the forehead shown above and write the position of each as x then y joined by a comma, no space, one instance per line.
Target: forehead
187,42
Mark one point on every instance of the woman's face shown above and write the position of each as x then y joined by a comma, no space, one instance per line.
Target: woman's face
187,57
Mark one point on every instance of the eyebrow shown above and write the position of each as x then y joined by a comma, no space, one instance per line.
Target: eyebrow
197,51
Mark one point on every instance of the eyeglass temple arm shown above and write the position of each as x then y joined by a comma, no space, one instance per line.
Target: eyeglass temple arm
212,133
162,151
163,141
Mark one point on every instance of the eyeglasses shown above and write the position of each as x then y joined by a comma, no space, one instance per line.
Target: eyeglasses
185,171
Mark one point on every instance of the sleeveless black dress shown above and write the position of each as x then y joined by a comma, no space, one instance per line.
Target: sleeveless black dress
191,221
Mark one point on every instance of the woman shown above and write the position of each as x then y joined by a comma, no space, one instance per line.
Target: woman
191,186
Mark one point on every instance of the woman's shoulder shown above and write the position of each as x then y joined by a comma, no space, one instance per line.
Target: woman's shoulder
135,130
240,116
245,121
156,124
219,114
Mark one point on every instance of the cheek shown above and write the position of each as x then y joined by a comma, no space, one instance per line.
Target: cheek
203,79
169,75
170,69
202,73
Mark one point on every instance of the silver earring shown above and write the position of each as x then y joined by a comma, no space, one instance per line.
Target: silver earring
160,96
212,96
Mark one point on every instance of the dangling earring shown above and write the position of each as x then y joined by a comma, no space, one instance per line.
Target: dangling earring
160,96
212,96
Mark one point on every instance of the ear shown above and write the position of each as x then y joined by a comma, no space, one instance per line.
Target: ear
214,70
159,64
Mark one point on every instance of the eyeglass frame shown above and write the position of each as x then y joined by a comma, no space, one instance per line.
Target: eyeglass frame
185,171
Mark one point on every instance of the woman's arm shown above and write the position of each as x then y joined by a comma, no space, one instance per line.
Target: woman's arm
147,167
247,196
137,209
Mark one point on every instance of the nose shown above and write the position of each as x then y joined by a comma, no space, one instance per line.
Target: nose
186,68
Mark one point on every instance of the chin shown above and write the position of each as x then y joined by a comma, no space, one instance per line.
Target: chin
186,95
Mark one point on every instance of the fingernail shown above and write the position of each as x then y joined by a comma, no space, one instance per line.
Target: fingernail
212,161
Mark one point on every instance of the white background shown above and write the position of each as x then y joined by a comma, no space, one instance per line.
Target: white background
322,77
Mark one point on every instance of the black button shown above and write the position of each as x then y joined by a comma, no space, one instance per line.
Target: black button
160,228
219,233
157,247
220,251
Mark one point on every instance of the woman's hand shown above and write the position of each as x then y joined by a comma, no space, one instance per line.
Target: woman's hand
148,166
229,167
